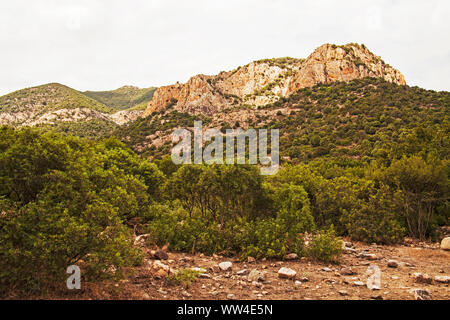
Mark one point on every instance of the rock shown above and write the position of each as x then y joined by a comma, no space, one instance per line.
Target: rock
225,266
422,278
242,272
256,275
251,260
140,240
359,283
445,243
392,264
186,294
200,270
328,63
159,265
326,269
442,279
287,273
230,296
298,283
422,294
292,256
161,255
346,271
377,297
160,274
349,250
366,255
343,293
204,276
304,279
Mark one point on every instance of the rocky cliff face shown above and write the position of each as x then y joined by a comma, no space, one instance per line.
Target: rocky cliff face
265,81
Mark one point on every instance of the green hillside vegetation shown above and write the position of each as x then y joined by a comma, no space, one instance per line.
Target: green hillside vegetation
369,160
49,97
91,129
126,97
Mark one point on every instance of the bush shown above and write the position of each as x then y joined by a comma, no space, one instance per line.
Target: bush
325,246
184,276
64,202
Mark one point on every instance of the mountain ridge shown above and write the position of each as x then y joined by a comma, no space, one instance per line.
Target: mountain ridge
266,81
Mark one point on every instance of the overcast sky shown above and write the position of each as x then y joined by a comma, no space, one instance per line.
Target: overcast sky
102,45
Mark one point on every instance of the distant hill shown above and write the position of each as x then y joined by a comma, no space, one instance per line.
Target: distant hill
126,97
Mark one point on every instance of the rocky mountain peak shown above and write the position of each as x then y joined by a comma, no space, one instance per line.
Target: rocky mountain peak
265,81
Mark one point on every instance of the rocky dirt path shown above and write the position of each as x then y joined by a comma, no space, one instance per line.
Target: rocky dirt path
411,271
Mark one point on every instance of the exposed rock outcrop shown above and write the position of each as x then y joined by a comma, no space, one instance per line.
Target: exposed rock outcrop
265,81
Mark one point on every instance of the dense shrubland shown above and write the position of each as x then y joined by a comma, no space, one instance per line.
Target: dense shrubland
369,165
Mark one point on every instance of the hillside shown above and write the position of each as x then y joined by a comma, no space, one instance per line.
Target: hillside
63,109
360,119
125,97
266,81
46,104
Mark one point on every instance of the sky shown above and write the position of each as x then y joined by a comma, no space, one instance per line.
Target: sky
105,44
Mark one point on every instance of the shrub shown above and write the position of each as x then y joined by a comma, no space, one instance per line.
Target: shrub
184,276
325,246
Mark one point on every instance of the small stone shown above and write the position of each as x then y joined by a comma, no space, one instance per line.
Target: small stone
422,278
377,297
186,294
347,271
395,278
298,283
200,270
292,256
256,275
204,276
161,255
422,294
359,283
326,269
392,264
343,293
230,296
286,273
242,272
251,260
225,266
442,279
445,243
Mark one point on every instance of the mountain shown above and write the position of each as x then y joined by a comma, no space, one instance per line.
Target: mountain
126,97
266,81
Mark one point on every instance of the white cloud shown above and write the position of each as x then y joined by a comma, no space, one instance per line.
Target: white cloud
100,45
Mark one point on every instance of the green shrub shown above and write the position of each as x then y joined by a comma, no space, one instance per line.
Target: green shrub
325,246
183,276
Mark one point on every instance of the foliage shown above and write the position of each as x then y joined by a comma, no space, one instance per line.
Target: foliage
325,246
184,276
65,201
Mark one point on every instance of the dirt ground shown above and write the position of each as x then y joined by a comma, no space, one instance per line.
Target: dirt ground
313,280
